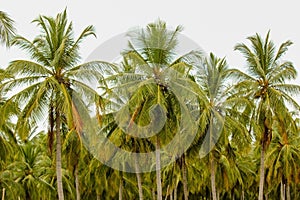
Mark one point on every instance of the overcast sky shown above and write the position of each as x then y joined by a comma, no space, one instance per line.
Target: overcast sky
216,26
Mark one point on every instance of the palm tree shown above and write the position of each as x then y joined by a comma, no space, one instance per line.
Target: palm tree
265,83
151,65
284,155
49,85
27,170
7,30
219,114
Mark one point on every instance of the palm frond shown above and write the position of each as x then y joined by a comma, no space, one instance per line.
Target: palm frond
7,30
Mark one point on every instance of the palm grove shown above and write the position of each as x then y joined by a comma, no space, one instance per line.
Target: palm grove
255,155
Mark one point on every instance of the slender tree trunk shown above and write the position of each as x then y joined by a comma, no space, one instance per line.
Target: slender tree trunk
121,189
288,192
213,178
184,177
175,193
98,197
281,191
243,195
60,190
171,195
153,194
166,197
139,180
77,183
3,193
158,170
262,174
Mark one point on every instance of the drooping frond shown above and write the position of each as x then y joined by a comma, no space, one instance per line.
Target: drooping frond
7,30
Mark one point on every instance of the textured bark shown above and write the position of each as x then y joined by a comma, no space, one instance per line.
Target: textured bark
158,170
261,175
60,190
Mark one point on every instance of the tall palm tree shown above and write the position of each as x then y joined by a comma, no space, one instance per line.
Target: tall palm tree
7,30
265,83
151,60
48,85
219,112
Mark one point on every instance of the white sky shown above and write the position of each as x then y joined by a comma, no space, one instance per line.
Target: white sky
215,25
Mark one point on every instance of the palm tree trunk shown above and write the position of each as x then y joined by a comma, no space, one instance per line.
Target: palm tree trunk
175,193
158,170
213,179
121,190
139,180
262,174
243,195
60,190
167,194
77,183
184,177
288,192
153,194
281,191
3,193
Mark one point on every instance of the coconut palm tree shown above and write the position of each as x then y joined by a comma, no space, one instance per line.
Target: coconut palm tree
152,65
283,156
152,50
265,83
219,113
48,85
7,30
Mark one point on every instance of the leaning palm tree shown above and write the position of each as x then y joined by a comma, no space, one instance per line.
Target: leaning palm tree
49,85
7,30
219,112
265,83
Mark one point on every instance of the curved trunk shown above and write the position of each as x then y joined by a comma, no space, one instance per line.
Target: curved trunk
184,177
261,175
60,191
158,170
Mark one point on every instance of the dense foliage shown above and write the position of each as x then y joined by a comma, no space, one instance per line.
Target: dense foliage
246,143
